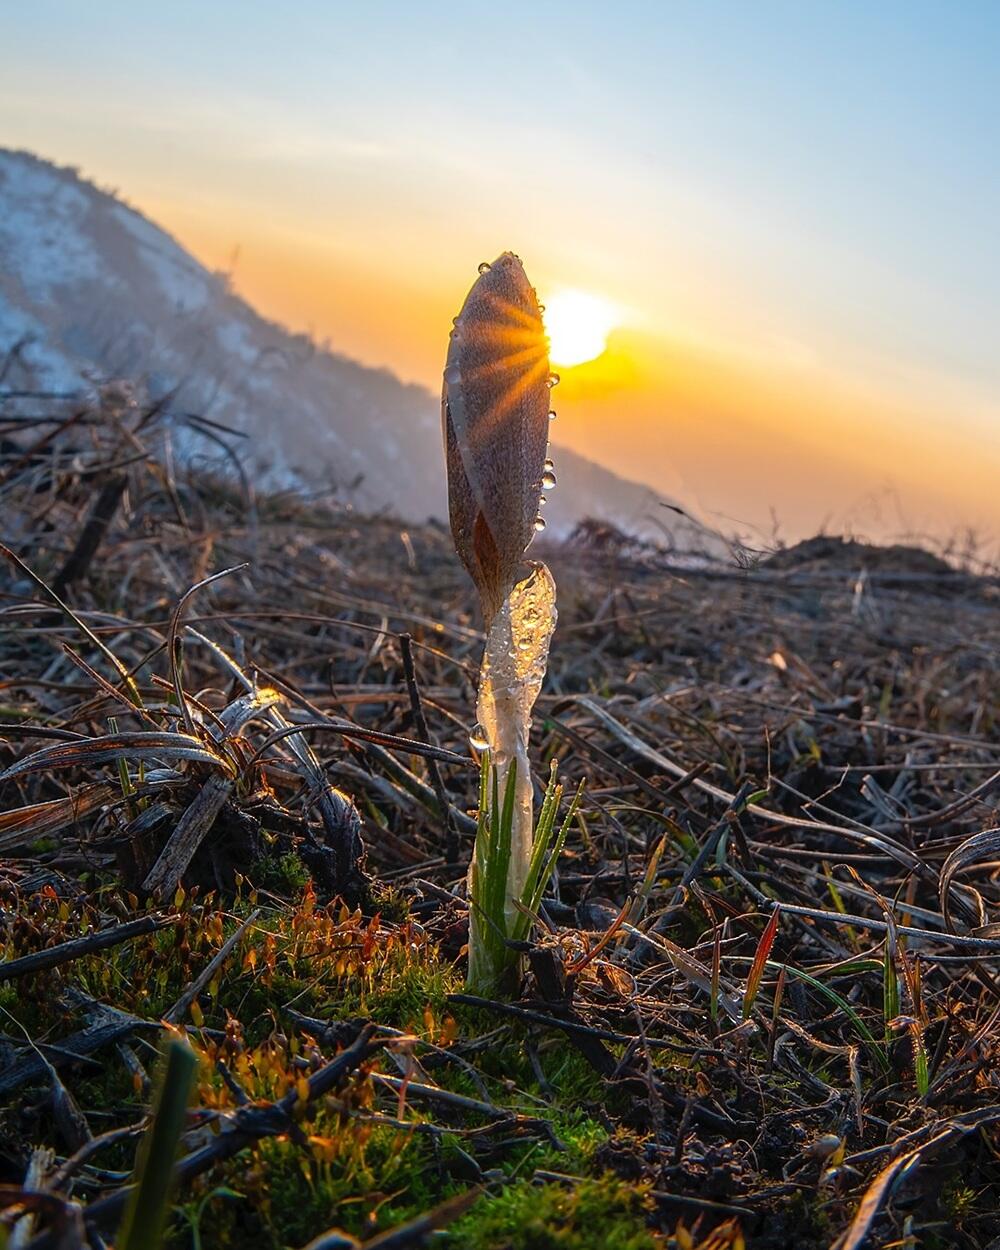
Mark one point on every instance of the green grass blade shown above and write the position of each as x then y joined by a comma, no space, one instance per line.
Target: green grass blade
500,868
843,1005
480,850
545,873
550,803
890,992
543,836
921,1070
145,1216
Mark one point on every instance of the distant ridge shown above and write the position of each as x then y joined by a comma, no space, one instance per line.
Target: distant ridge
92,290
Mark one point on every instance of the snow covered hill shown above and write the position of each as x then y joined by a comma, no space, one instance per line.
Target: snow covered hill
90,290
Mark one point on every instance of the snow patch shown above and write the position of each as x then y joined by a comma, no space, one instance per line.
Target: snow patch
234,337
49,369
181,279
40,230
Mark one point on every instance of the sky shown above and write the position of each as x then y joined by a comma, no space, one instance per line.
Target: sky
793,210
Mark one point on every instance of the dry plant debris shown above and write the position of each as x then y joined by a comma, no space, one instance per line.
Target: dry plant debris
761,1008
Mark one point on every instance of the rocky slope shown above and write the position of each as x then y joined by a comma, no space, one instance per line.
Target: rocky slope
90,290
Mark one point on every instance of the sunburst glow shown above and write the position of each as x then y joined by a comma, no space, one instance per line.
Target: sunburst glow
578,325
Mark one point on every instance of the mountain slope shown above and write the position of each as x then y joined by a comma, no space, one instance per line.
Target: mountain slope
91,290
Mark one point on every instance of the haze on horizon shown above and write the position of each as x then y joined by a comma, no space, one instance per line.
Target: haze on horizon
792,208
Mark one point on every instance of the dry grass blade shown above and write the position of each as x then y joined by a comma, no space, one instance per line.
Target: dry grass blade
877,1192
85,629
125,746
174,641
980,847
191,830
397,743
760,958
39,820
694,971
102,683
871,838
341,820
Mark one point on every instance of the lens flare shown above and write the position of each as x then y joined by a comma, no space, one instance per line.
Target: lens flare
578,325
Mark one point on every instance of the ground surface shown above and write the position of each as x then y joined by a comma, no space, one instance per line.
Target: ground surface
685,1064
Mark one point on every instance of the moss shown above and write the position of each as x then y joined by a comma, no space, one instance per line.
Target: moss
397,981
284,874
599,1213
570,1081
581,1135
958,1199
334,964
392,905
363,1180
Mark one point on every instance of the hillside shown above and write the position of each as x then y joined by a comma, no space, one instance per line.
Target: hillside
759,1007
91,291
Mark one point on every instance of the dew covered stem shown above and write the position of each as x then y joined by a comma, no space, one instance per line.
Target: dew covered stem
511,676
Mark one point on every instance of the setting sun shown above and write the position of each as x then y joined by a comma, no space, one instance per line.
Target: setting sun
578,326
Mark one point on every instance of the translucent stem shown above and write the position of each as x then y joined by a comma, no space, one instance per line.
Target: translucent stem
513,668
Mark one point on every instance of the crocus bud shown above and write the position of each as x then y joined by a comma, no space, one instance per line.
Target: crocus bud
494,415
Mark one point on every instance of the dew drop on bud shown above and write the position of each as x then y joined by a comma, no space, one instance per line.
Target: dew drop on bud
539,522
452,375
553,380
548,479
552,415
477,738
485,267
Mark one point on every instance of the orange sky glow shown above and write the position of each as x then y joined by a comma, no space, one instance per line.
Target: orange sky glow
764,439
798,238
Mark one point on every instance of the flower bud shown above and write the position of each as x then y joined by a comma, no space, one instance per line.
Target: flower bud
494,415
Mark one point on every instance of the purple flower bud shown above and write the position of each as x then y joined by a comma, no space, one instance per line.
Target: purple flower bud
494,415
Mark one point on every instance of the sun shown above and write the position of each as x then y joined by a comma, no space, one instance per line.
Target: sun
578,325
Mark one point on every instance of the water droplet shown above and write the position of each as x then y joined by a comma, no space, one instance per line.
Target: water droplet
485,267
541,308
523,644
478,739
552,415
455,320
553,380
452,375
539,522
542,501
549,464
548,479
